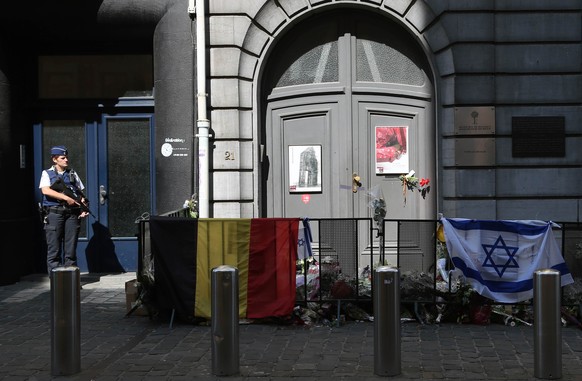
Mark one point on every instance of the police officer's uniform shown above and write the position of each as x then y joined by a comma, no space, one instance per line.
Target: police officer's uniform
61,221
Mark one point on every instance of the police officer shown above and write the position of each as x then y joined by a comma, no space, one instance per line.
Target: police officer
62,212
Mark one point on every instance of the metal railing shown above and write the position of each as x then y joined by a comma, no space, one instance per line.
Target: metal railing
409,245
144,254
347,250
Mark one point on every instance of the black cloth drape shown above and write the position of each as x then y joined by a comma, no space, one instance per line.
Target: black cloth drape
174,243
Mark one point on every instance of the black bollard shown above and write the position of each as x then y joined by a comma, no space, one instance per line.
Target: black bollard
224,321
547,328
387,352
65,321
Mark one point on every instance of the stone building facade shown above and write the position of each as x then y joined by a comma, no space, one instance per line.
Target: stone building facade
488,93
518,59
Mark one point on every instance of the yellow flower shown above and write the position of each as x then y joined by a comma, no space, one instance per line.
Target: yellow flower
441,233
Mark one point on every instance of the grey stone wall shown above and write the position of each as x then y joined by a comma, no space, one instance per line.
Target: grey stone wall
524,58
174,107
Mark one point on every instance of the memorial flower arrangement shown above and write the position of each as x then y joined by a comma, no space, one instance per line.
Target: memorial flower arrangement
325,281
378,203
411,182
192,206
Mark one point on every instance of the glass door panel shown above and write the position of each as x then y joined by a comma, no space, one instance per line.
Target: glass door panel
128,171
125,184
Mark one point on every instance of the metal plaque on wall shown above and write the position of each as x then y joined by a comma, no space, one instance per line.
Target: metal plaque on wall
538,136
474,120
475,152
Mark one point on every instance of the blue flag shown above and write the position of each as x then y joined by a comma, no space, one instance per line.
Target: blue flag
304,240
499,258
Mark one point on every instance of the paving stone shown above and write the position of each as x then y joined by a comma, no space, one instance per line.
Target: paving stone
114,347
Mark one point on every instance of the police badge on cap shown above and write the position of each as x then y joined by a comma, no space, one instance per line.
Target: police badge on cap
59,150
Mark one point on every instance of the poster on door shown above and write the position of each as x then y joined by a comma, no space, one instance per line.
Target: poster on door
304,169
391,150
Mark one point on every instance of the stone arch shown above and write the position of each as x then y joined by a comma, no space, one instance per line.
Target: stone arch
273,20
254,29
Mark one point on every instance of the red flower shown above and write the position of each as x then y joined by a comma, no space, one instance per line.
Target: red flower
424,182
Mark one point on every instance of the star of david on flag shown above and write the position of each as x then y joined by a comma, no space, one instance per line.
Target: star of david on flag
499,258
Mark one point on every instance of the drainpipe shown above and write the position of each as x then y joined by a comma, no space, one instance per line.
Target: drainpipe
202,124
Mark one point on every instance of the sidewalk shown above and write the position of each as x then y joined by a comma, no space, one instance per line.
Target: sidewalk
114,347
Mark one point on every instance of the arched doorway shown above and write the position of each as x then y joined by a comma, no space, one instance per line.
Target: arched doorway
346,93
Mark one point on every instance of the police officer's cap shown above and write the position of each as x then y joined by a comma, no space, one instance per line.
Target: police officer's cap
59,150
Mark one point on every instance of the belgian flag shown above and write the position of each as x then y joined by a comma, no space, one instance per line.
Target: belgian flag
263,249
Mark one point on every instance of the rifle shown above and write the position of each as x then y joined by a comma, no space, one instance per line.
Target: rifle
60,186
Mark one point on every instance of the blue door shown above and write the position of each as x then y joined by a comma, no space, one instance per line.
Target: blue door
113,156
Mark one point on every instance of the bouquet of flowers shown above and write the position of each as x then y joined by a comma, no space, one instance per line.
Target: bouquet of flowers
410,182
192,206
378,205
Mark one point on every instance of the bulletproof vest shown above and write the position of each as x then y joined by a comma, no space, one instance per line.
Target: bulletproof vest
67,179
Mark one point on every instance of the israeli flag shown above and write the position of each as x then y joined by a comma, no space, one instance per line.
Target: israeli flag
304,240
499,258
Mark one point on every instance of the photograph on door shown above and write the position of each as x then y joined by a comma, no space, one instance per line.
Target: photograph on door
305,168
391,150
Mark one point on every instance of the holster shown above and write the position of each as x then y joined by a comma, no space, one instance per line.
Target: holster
42,213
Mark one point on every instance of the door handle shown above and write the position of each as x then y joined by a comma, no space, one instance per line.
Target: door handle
102,194
356,182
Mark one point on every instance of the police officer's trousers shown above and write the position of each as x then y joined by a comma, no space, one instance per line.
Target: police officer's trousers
62,233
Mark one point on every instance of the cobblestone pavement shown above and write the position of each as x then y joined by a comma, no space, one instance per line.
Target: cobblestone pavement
115,347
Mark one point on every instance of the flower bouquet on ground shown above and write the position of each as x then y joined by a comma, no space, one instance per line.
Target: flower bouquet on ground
410,182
